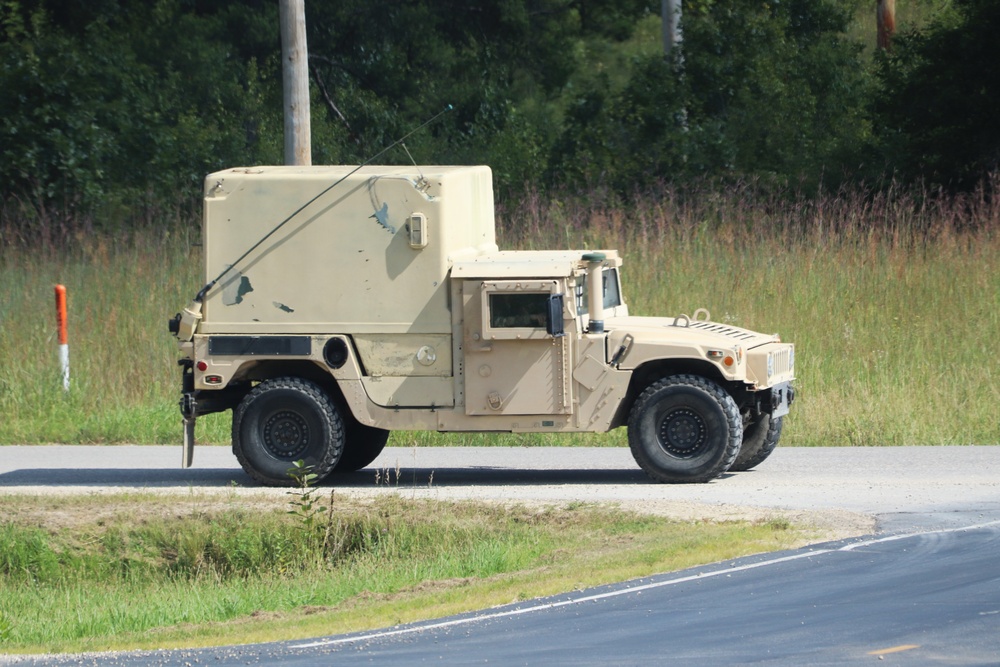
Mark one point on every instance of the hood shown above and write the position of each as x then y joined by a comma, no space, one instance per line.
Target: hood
682,330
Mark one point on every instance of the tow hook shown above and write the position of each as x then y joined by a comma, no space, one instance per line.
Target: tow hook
189,405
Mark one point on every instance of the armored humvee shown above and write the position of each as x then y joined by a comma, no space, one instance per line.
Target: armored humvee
352,301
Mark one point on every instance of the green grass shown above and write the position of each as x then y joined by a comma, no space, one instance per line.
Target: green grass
893,301
132,571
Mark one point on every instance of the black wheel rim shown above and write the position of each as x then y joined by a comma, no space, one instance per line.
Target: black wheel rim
286,435
682,433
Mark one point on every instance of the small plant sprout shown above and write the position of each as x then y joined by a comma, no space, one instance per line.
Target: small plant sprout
305,505
304,502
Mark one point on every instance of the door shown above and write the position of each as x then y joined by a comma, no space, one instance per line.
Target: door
513,366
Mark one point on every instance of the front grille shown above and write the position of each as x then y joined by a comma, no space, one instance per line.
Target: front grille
781,361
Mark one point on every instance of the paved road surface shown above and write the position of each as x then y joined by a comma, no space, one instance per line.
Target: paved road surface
902,487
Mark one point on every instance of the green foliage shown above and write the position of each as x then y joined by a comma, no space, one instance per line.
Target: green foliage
941,91
771,90
6,627
122,101
109,107
305,506
25,554
131,100
502,64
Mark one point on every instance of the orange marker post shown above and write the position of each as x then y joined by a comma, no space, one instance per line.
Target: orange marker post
63,334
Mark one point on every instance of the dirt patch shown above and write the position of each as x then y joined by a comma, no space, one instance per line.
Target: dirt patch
68,510
824,524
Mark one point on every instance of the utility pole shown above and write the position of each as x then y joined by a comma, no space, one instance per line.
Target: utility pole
670,16
670,13
295,82
886,19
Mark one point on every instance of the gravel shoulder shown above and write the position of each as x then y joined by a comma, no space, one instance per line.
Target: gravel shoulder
838,491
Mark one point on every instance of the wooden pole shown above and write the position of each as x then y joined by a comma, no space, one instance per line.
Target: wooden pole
295,82
886,17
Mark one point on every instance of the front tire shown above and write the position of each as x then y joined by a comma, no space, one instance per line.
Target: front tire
284,420
684,428
760,438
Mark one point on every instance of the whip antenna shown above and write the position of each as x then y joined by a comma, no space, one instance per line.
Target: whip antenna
208,286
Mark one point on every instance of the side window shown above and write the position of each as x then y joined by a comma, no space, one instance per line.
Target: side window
611,295
518,310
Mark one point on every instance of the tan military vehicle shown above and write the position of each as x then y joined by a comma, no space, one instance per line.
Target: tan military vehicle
352,301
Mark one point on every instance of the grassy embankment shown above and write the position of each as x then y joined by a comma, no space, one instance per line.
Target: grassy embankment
893,302
204,570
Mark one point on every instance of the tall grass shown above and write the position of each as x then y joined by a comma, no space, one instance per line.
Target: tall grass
892,298
129,574
121,291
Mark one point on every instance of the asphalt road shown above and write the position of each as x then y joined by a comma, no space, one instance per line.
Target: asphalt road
924,590
931,598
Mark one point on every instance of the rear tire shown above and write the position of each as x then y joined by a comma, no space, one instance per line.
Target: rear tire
760,438
284,420
363,445
684,428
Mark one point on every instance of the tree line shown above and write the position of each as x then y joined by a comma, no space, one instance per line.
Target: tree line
108,104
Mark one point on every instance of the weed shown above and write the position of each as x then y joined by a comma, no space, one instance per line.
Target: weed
6,627
305,506
778,524
387,476
303,502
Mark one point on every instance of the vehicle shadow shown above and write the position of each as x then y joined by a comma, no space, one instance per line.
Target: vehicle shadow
483,476
402,477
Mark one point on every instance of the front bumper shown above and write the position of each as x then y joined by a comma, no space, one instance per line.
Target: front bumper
782,396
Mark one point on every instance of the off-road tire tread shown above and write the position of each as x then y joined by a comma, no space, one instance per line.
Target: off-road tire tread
716,393
758,444
328,413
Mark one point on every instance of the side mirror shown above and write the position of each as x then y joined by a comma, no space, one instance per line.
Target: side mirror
554,315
